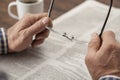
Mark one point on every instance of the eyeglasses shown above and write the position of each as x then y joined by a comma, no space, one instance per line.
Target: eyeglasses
56,32
69,37
111,3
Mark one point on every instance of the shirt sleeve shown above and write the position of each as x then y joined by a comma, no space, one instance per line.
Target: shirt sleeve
3,42
109,77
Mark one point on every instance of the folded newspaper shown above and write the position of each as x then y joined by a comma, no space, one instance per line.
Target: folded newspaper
59,58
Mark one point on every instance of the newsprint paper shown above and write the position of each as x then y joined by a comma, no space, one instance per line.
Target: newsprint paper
58,58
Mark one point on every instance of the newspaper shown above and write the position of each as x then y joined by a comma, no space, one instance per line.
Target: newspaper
58,58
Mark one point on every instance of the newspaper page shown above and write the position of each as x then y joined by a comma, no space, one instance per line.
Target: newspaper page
58,58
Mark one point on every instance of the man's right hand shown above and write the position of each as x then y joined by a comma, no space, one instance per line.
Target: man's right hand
103,59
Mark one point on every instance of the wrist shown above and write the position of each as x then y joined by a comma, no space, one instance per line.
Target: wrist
9,42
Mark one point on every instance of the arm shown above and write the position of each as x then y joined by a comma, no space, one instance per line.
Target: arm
103,59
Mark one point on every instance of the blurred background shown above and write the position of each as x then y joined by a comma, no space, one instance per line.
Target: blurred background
60,7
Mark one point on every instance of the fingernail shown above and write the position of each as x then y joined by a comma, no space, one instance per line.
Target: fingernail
39,38
45,20
94,35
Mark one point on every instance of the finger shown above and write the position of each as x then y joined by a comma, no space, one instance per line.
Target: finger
108,41
30,19
93,47
42,35
39,16
109,45
38,27
37,42
94,44
108,37
34,17
50,24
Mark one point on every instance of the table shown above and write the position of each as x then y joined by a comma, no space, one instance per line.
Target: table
60,7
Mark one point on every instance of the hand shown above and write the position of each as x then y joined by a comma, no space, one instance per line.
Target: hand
103,59
20,36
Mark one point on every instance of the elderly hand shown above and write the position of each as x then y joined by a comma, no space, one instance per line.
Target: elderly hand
103,59
20,36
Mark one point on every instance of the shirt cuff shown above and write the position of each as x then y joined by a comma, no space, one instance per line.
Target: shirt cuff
109,77
3,42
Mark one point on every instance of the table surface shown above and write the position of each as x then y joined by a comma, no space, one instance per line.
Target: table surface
60,7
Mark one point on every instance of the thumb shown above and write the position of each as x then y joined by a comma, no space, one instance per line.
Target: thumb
39,26
94,44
